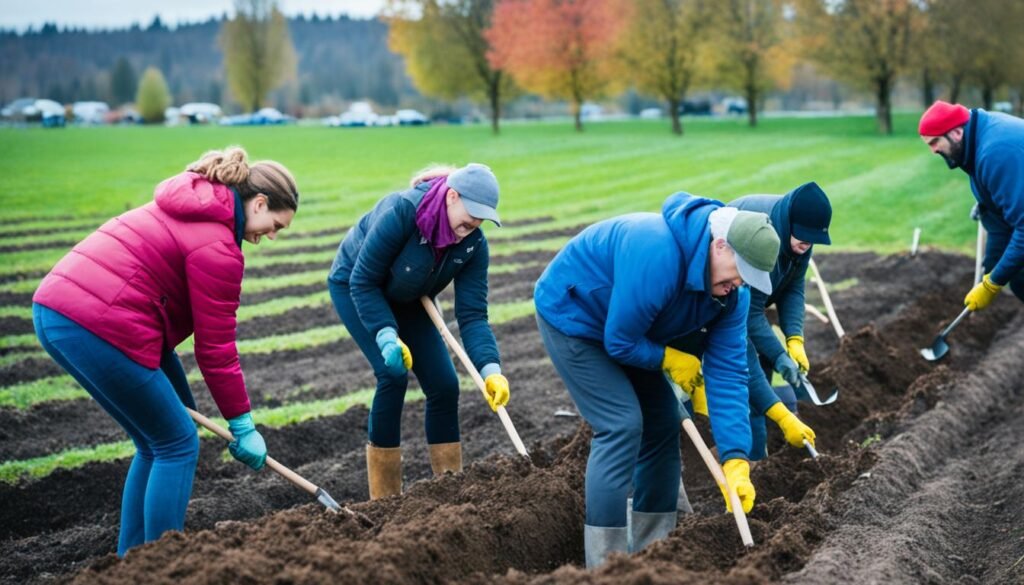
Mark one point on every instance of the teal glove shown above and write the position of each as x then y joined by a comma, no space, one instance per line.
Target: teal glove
788,369
248,446
397,357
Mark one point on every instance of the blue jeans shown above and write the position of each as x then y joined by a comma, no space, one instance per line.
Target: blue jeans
635,417
148,405
430,362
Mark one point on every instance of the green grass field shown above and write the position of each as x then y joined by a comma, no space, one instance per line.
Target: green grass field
75,179
881,187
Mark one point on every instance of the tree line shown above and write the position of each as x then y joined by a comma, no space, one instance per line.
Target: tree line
579,50
336,59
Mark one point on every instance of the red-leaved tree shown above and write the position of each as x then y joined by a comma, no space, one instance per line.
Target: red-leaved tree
559,49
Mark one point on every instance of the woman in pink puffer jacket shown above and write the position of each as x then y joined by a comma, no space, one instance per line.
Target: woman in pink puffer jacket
114,308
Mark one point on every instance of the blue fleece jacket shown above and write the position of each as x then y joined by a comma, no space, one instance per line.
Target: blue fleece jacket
385,259
994,159
787,292
638,281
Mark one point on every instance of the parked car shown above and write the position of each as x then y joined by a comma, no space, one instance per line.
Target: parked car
47,112
90,112
411,118
16,109
200,112
1004,107
734,105
650,113
359,114
270,116
700,107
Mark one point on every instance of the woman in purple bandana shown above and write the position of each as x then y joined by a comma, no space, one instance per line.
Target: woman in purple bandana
414,243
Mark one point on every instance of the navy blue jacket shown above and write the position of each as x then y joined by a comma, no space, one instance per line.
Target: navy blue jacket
637,282
994,159
787,292
787,279
385,259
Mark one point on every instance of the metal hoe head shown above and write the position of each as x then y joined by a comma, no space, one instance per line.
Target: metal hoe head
939,347
805,391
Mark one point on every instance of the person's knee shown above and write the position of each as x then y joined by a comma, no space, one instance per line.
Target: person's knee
183,446
442,393
625,432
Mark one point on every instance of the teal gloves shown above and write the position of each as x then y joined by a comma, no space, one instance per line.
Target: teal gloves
248,446
788,369
397,357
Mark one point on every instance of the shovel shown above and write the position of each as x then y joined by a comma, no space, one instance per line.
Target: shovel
302,483
939,347
442,328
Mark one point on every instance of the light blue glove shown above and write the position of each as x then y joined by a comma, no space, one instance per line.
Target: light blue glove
248,446
788,369
397,357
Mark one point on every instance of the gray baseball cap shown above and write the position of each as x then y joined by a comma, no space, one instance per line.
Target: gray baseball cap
478,188
756,244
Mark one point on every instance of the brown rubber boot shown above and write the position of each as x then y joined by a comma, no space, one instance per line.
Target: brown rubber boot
446,457
384,471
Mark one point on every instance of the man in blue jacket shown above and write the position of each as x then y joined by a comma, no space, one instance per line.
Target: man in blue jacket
989,147
608,306
801,219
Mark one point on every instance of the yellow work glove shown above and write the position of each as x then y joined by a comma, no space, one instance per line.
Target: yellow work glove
795,349
699,399
982,294
406,355
792,427
497,391
737,473
684,369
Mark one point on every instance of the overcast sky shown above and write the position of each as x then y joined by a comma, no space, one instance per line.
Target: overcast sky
20,14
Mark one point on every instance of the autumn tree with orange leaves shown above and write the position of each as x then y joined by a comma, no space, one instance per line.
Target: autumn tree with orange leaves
559,49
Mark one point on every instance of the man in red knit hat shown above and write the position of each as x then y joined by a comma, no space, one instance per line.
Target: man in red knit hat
989,147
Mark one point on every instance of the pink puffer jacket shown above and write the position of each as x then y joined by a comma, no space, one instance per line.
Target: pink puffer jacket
147,279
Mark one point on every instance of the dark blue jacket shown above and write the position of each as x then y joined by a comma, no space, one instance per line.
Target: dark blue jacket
787,279
637,282
385,259
787,292
994,159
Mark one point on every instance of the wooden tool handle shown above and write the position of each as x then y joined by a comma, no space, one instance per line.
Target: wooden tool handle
719,475
840,333
435,316
272,463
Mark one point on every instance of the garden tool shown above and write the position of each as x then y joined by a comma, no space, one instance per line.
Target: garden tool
716,472
811,449
939,347
805,391
318,492
435,316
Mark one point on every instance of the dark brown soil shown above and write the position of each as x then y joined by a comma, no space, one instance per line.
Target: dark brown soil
505,520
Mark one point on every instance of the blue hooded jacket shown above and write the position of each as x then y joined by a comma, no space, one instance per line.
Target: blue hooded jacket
638,281
994,159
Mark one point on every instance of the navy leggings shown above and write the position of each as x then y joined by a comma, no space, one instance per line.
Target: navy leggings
430,362
148,405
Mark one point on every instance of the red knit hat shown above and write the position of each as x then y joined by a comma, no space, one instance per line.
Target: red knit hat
942,117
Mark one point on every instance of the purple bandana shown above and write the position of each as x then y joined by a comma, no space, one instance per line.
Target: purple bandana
432,217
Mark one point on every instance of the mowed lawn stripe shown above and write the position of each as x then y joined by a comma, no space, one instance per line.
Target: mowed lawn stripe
52,388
